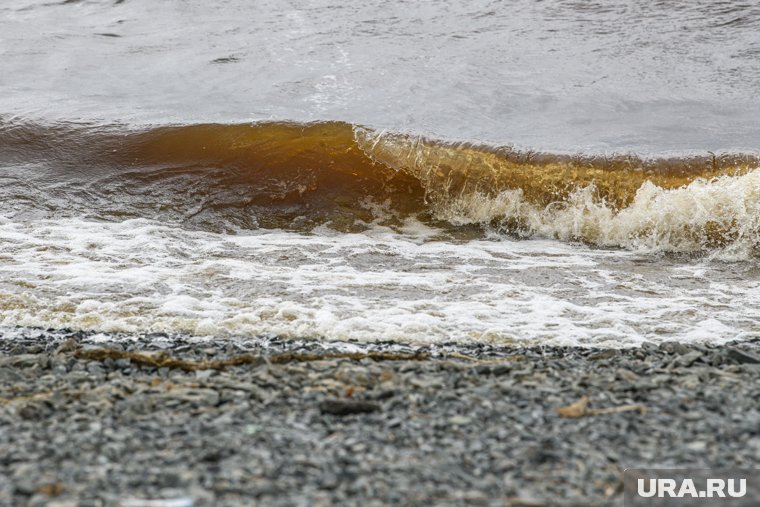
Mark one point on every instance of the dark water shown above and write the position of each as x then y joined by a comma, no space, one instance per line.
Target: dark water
556,172
647,76
298,176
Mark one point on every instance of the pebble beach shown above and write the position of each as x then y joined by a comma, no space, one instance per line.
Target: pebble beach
158,420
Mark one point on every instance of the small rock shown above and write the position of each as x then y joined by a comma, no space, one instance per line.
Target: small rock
23,360
743,357
501,369
347,407
674,348
426,382
648,347
329,480
195,397
8,375
123,363
697,445
395,423
688,359
204,374
69,345
604,354
25,479
627,375
459,420
384,394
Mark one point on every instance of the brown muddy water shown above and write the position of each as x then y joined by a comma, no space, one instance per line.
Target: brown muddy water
557,172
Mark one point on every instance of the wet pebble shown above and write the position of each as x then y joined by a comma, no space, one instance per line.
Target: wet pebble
446,430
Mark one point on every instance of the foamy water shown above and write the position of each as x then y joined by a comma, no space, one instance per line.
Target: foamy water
142,276
423,172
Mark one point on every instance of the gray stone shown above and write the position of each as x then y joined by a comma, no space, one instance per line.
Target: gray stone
742,357
687,359
347,407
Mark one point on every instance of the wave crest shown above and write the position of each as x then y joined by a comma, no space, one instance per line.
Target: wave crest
289,175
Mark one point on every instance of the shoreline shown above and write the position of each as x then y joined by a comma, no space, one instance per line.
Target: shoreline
88,421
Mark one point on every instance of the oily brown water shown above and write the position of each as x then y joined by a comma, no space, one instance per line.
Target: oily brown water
298,176
556,172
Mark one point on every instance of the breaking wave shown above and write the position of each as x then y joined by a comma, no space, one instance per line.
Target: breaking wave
297,176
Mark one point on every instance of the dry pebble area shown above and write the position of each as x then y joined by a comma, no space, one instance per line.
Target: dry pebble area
167,421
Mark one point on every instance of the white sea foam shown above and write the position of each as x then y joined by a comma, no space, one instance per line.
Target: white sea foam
142,276
722,214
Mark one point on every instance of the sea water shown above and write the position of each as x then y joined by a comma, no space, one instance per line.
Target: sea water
578,173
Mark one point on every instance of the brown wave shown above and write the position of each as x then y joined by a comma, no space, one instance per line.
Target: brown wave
450,169
211,176
291,175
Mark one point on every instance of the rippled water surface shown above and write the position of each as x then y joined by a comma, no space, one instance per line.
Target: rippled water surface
553,75
529,171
